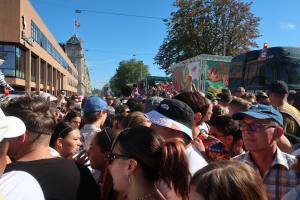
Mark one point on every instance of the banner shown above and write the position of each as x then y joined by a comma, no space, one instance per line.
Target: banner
194,72
217,76
181,78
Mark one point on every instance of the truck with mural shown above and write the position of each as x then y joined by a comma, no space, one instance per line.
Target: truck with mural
208,73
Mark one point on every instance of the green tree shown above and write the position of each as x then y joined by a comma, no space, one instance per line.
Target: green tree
128,72
96,91
207,27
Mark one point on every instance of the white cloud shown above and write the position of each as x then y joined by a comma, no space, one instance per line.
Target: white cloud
287,26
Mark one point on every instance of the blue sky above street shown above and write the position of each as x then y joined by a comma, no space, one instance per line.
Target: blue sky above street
109,39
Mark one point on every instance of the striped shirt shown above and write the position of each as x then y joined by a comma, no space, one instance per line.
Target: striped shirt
279,179
3,82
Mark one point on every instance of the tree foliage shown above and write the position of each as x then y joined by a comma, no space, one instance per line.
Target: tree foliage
96,91
128,72
202,26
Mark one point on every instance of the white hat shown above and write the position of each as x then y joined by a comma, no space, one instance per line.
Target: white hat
46,95
10,126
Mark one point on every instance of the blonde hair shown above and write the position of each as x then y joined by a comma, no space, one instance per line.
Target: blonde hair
135,119
228,180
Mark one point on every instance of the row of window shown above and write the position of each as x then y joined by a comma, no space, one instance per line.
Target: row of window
41,39
14,64
72,83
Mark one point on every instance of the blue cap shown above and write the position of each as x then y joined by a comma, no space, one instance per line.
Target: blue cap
261,111
94,104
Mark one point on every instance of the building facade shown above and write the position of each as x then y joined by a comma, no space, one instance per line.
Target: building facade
74,49
34,60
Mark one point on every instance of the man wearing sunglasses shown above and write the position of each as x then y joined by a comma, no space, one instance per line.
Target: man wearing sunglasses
262,126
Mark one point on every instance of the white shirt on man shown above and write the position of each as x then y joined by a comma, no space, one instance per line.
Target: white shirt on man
88,132
19,185
195,159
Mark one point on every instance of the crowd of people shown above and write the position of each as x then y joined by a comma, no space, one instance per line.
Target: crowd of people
187,145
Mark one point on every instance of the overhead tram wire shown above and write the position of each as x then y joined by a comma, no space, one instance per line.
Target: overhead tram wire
120,14
101,12
117,53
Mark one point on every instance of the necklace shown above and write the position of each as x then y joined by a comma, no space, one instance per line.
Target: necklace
147,196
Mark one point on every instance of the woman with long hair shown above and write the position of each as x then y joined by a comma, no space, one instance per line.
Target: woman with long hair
140,158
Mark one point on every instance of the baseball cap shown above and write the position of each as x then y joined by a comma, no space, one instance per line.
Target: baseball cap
111,110
63,93
152,103
173,114
225,95
279,87
261,94
94,104
10,126
261,111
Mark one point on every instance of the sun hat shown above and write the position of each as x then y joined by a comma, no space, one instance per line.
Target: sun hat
10,126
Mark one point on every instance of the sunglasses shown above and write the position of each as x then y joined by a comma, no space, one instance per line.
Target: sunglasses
114,156
257,126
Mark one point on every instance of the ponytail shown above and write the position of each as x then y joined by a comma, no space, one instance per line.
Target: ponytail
175,168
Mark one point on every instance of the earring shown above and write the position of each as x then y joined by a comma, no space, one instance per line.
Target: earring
129,179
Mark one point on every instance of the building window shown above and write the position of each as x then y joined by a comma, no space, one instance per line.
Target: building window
9,65
49,79
42,40
33,68
20,63
54,77
42,71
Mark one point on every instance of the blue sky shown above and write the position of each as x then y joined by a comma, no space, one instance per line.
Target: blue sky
109,39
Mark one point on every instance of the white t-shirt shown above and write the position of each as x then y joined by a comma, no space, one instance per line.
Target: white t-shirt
19,185
195,159
88,132
203,128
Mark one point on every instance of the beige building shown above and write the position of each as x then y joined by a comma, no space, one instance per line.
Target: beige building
34,60
74,49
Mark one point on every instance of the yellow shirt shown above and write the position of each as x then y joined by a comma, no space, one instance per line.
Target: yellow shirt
291,117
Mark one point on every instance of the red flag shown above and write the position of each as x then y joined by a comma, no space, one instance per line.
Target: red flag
77,23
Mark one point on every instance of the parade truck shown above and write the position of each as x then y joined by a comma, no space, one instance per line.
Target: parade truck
255,70
207,73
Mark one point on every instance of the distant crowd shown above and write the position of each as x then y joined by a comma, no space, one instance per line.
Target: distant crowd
158,145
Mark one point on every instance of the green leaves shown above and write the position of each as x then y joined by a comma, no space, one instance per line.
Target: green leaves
204,26
128,72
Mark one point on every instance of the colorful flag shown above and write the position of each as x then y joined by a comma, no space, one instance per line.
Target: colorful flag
77,23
